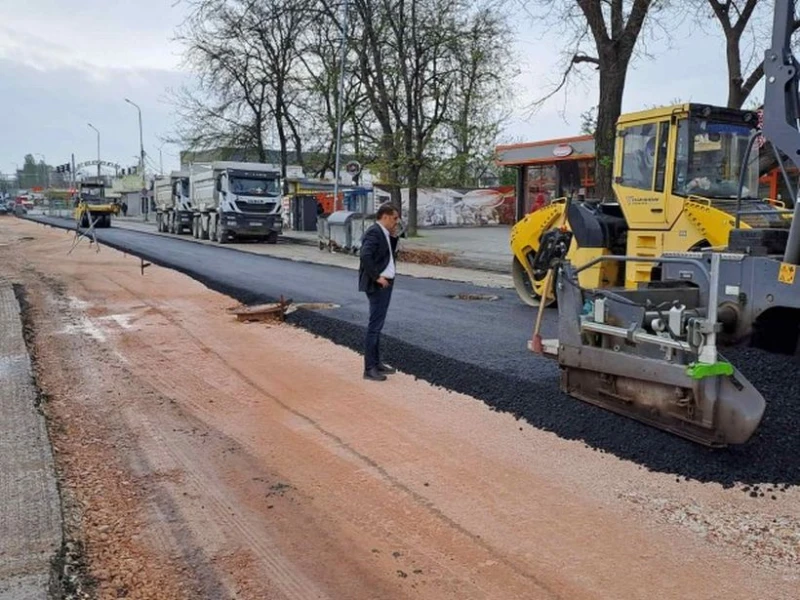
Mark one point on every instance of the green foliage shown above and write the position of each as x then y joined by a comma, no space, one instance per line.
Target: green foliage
32,174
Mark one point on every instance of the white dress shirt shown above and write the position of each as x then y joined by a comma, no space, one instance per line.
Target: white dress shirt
389,271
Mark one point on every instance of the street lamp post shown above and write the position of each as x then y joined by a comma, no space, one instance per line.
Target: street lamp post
340,108
141,161
98,150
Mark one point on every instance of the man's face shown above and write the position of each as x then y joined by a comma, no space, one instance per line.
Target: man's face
390,221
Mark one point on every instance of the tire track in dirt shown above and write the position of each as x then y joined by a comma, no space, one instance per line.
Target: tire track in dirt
192,386
170,456
290,583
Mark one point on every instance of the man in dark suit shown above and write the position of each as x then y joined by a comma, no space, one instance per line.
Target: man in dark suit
376,275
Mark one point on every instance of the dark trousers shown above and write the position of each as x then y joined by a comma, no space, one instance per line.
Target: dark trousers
378,307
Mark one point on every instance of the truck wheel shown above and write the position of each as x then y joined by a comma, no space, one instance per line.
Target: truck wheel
272,238
530,292
216,232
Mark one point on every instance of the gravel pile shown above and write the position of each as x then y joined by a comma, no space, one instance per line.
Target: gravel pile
769,540
772,456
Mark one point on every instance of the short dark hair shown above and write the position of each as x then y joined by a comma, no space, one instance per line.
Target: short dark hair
386,209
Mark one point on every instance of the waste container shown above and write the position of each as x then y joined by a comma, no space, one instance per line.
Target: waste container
358,227
341,233
323,232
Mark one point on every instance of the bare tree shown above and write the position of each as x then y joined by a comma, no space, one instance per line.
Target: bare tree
420,75
227,104
746,25
322,68
411,55
270,30
245,53
734,18
480,94
604,34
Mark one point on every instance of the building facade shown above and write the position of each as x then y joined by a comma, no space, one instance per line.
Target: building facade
550,169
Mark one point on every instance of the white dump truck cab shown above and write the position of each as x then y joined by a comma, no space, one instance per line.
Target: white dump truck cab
248,202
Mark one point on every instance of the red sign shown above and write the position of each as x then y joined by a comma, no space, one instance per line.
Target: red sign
563,150
37,188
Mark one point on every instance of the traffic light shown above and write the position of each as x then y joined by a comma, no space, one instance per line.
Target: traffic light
63,168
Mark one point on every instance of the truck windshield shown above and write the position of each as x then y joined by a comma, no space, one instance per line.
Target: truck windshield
184,187
250,186
709,158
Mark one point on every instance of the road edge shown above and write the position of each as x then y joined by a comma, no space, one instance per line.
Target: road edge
31,539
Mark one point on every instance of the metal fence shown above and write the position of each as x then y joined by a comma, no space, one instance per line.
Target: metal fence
59,208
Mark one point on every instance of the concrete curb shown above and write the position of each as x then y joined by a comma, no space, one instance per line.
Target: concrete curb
485,266
456,260
30,507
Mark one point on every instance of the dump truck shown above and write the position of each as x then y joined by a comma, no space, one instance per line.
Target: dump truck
174,213
233,200
651,351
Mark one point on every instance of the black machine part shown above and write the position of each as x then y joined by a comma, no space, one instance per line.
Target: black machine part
758,242
594,225
553,247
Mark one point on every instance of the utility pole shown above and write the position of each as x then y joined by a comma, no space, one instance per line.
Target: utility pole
98,150
145,199
340,108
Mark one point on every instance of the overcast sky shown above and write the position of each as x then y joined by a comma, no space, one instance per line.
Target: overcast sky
64,64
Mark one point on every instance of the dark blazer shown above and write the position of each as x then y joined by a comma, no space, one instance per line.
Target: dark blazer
374,258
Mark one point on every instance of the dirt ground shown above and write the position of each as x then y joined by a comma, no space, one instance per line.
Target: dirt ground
200,457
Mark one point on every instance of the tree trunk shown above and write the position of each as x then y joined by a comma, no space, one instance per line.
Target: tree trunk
298,143
413,190
260,148
392,169
283,149
612,85
736,97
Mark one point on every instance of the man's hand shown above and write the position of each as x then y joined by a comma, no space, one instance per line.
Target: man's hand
383,282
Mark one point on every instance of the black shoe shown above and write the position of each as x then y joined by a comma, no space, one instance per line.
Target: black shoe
386,369
374,375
